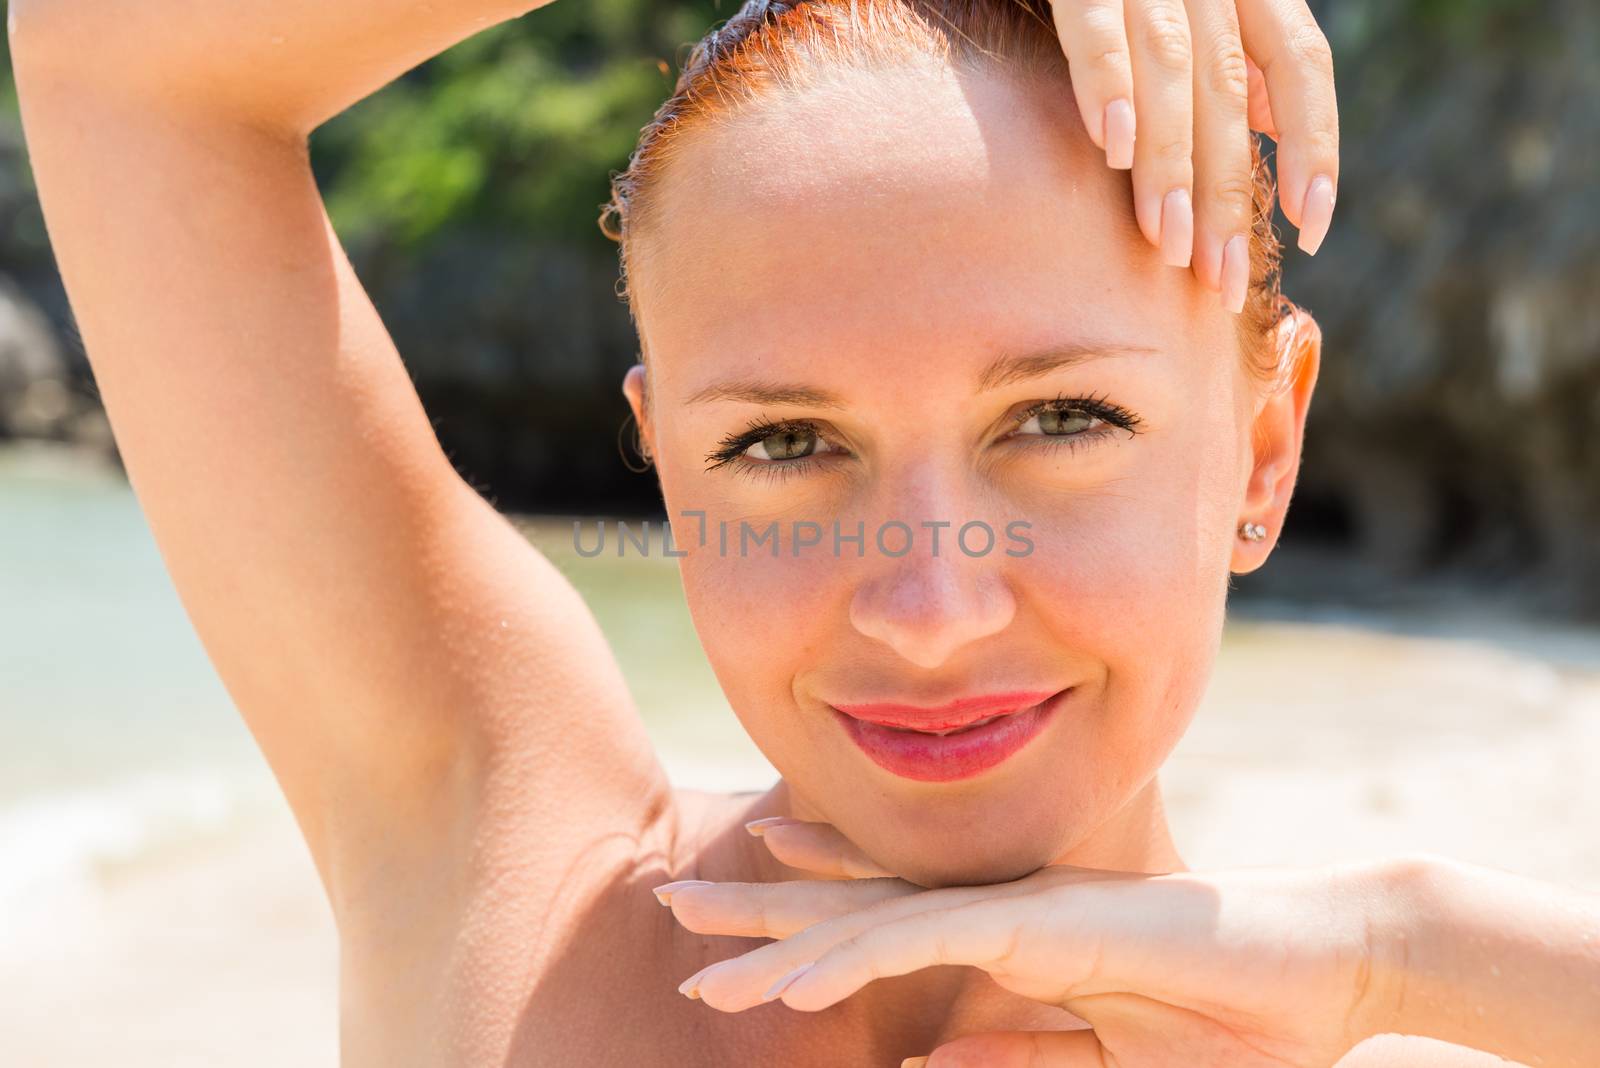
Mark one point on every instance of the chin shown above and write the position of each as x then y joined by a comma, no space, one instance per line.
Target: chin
967,866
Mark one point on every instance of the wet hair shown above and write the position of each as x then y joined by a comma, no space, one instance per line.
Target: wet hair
775,45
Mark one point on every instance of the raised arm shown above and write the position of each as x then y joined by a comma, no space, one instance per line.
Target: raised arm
288,65
395,646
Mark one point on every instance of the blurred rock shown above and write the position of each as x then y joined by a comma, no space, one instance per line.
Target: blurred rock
42,395
1457,424
517,347
34,397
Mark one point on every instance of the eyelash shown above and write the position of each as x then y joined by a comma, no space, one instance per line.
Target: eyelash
1114,415
730,450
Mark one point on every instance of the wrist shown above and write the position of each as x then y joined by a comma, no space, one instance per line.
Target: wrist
1485,959
1403,901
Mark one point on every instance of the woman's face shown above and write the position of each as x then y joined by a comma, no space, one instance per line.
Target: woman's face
895,270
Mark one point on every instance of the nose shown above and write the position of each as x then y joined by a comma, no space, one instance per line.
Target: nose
927,607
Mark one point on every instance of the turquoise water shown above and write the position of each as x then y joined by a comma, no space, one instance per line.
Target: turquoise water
99,670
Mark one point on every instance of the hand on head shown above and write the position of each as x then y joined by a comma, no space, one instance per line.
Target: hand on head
1170,91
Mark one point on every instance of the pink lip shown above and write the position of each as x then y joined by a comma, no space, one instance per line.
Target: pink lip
957,713
946,758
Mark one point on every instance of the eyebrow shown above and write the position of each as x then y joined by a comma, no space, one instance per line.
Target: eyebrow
1002,371
1008,370
768,393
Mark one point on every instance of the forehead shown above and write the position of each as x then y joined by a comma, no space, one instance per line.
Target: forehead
894,215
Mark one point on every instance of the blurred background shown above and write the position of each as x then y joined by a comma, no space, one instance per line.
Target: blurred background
1417,668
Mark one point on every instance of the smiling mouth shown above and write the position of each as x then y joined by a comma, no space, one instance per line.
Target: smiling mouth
951,742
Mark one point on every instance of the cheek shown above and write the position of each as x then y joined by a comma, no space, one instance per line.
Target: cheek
1133,579
1151,540
759,609
761,618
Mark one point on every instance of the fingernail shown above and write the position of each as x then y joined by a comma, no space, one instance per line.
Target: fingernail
758,827
785,980
688,988
665,891
1235,273
1119,134
914,1062
1316,215
1177,228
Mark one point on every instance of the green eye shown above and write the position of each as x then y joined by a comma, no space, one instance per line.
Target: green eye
772,446
1058,422
788,444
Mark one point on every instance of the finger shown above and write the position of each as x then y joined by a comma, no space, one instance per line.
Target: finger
1096,45
739,983
1163,92
817,847
778,910
1017,1049
1224,186
1260,106
1297,64
990,934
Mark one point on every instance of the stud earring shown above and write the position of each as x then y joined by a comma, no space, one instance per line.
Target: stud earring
1252,531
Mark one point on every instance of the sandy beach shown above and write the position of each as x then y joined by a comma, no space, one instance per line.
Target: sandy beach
219,953
1316,743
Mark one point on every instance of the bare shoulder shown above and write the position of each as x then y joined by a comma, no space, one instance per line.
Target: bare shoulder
1408,1051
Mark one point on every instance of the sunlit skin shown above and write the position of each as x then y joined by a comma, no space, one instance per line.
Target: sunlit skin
888,253
451,729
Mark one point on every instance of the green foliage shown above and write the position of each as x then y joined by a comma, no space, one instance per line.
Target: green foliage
516,129
8,84
23,242
1466,18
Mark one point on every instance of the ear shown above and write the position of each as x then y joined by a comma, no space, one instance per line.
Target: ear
1276,435
634,387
